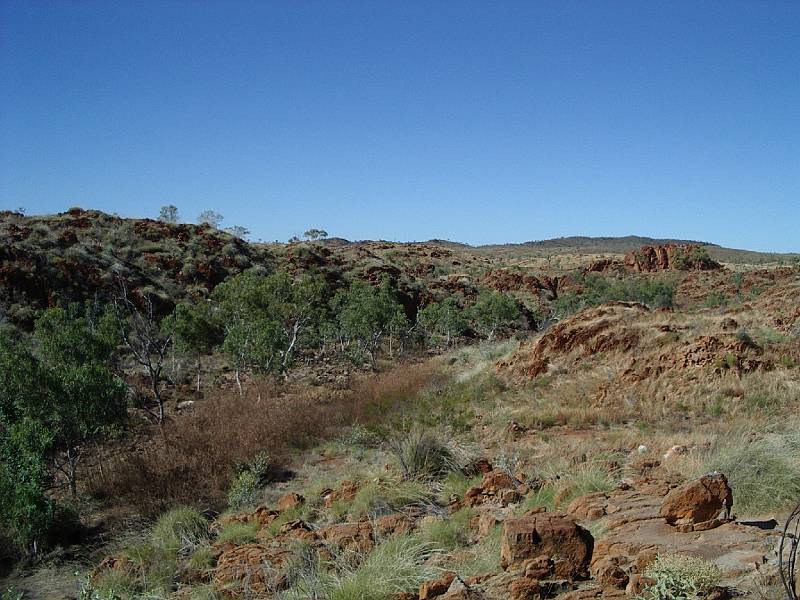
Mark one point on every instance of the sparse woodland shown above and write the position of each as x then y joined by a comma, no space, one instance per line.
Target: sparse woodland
184,414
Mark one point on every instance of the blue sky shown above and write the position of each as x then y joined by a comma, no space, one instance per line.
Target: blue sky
473,121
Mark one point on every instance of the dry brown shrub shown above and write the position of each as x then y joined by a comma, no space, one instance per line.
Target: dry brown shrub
192,459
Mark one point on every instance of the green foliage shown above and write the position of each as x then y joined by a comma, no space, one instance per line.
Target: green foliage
197,331
443,322
11,594
598,289
679,577
315,234
248,481
266,318
367,314
49,408
492,311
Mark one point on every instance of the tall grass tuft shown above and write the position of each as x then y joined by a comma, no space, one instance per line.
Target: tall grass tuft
427,454
181,529
764,472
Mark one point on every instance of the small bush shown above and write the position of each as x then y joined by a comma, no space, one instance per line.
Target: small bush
247,483
181,529
679,577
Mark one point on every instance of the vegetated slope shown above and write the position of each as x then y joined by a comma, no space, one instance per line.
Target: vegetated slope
74,255
575,466
77,254
533,468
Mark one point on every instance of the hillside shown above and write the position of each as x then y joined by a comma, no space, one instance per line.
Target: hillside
575,419
78,254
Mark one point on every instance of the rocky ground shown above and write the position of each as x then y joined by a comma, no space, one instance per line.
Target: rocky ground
574,462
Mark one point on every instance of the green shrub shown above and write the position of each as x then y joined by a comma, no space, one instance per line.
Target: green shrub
598,289
247,484
679,577
180,529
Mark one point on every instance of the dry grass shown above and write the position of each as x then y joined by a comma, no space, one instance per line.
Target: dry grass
192,460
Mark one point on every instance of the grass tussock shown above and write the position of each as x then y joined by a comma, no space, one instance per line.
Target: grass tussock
763,470
396,565
428,454
565,485
450,532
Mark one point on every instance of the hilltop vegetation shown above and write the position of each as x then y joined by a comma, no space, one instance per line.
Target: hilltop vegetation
184,414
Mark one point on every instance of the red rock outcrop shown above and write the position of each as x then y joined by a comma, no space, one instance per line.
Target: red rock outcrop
253,566
683,257
590,331
698,502
552,535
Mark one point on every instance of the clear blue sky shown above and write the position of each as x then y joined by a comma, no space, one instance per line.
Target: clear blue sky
474,121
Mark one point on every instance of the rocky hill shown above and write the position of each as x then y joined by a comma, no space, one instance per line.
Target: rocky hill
640,431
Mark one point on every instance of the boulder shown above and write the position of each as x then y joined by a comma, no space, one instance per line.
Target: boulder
525,589
251,568
553,535
350,536
699,501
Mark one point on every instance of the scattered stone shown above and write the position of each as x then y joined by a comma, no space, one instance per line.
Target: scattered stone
249,568
347,491
676,450
436,587
395,523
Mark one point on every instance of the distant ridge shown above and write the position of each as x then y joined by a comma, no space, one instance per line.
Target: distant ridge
628,242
